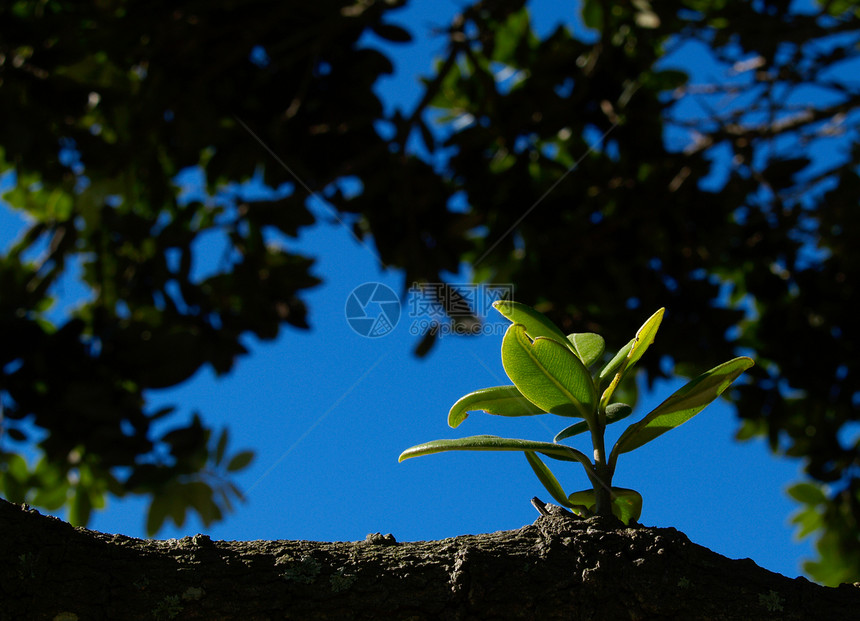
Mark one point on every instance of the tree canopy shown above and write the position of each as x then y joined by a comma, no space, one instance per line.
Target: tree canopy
726,195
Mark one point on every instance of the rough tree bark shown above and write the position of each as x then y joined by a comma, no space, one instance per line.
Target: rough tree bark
560,567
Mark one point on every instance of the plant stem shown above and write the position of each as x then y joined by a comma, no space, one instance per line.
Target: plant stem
603,480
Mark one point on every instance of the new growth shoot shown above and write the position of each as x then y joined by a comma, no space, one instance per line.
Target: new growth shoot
550,375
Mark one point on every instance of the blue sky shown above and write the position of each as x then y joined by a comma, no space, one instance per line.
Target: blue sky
328,411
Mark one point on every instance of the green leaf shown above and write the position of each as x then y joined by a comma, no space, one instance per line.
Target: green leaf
79,511
53,497
807,493
535,322
608,372
645,337
240,461
809,520
16,467
547,478
617,411
14,477
588,346
681,406
158,509
13,490
200,497
626,392
175,503
495,443
640,344
592,14
509,34
548,374
626,503
614,413
570,431
499,400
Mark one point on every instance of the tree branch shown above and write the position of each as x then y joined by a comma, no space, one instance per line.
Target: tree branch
561,567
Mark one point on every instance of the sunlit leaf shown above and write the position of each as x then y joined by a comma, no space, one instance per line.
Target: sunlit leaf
640,344
608,372
626,392
499,400
495,443
681,406
588,346
536,323
645,337
548,374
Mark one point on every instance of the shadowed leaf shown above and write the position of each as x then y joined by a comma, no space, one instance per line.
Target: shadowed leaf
547,478
614,413
626,503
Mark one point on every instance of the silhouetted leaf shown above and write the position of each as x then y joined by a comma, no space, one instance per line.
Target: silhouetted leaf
239,461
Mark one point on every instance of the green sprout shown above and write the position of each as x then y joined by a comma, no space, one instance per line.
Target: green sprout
550,375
